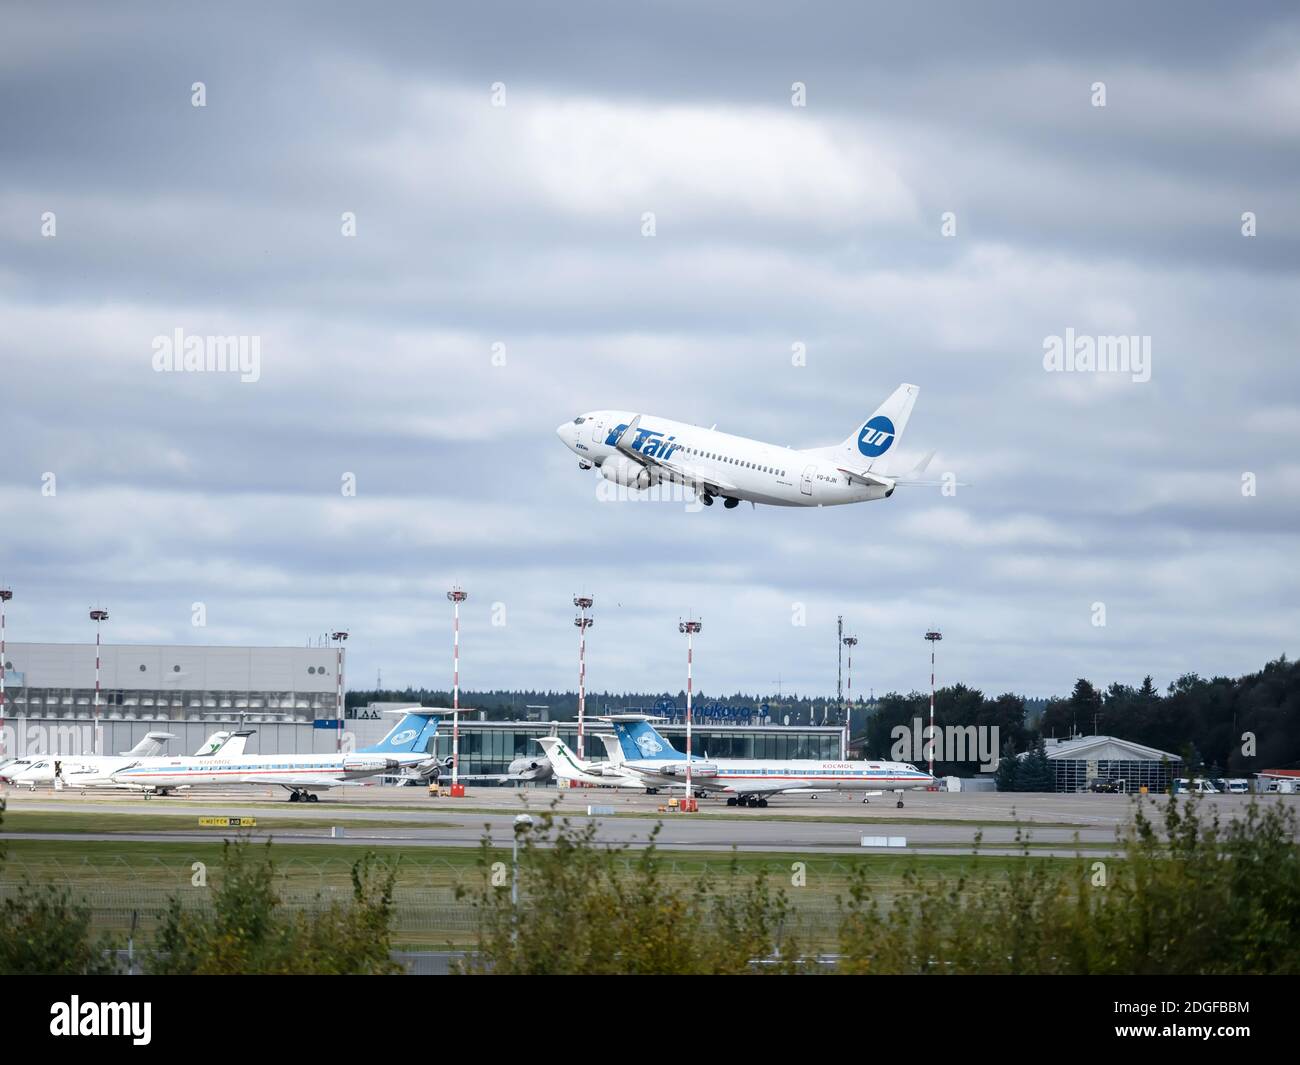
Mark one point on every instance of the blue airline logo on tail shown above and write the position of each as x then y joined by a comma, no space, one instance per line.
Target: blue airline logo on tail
649,442
876,436
410,735
640,741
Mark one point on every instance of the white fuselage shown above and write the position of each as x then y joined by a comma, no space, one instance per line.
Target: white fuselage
286,770
756,777
75,770
755,471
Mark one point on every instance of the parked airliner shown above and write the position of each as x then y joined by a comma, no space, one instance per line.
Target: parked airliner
96,771
88,770
405,747
566,765
640,450
748,781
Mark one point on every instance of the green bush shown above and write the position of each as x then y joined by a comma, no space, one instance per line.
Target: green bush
1199,897
587,909
44,932
248,931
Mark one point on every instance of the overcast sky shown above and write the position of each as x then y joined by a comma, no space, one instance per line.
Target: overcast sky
775,225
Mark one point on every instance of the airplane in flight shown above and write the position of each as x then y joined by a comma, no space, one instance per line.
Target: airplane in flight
406,747
749,781
96,770
638,451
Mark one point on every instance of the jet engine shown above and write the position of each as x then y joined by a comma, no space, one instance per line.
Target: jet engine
623,471
369,764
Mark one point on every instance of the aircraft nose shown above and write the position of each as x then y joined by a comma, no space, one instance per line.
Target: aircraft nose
562,431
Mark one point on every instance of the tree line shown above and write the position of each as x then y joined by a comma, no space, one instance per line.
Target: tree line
1222,726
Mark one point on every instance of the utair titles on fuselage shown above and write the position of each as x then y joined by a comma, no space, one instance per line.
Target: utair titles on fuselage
638,452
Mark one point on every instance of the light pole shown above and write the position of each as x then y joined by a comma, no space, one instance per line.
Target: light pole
338,639
850,642
457,597
583,603
523,823
839,664
5,595
690,628
98,617
934,636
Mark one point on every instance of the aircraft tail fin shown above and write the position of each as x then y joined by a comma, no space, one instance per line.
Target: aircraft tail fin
151,745
234,744
212,744
613,749
564,762
879,435
641,742
411,735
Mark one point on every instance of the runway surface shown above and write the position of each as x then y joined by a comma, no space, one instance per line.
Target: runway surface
931,822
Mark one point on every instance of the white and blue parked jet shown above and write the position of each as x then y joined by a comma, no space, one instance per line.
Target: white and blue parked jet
96,770
406,747
749,781
640,450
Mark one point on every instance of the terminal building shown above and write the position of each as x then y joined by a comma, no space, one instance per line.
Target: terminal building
490,746
288,696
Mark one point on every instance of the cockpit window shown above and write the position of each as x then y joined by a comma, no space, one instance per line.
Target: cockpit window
579,420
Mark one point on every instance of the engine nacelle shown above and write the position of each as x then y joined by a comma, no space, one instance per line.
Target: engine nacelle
698,769
368,764
623,471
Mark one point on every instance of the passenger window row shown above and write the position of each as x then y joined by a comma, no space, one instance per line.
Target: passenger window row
734,462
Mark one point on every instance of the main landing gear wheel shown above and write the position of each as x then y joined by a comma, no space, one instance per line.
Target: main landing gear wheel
731,504
706,499
900,804
731,801
762,803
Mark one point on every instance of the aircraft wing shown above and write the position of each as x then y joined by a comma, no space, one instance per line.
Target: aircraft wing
681,471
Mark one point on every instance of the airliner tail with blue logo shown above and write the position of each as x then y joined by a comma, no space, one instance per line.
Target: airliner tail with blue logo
639,451
750,781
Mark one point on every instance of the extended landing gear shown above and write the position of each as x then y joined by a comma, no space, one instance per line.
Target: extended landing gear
731,504
747,800
706,499
299,795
